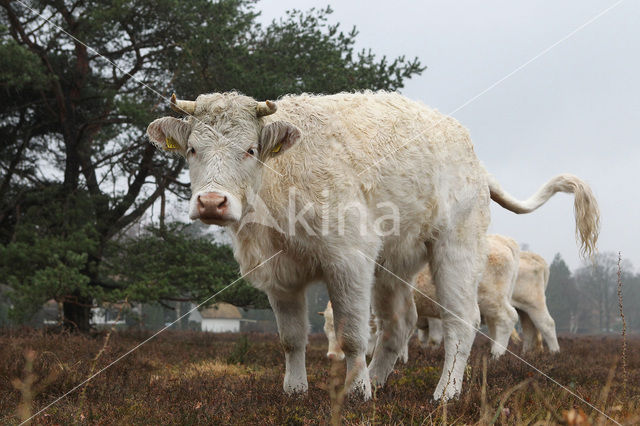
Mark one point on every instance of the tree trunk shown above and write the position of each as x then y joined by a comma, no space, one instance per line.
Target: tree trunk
573,322
77,313
178,315
163,201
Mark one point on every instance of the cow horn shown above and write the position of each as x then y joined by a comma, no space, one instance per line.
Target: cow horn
183,107
266,108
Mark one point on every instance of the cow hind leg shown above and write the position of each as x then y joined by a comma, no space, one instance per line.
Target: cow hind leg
430,332
404,353
334,351
546,326
290,310
373,337
501,325
423,337
396,316
422,324
457,263
529,332
435,333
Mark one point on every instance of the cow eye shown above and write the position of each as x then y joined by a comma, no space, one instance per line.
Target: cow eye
251,152
191,150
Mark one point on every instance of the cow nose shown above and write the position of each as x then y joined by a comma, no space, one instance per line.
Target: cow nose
212,205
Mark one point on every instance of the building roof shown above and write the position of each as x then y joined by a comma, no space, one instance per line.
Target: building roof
221,311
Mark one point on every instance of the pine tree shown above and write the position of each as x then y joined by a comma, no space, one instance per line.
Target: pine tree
562,296
79,90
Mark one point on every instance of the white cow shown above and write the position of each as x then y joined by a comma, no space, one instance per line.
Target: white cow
356,190
494,300
529,300
494,296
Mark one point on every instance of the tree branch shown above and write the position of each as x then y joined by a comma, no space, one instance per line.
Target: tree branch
16,158
142,207
136,67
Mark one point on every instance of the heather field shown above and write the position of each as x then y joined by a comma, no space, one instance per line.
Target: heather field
198,378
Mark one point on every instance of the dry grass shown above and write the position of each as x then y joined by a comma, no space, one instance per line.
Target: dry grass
623,355
185,378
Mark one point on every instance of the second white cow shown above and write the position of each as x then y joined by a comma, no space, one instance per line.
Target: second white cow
531,303
529,300
494,300
494,296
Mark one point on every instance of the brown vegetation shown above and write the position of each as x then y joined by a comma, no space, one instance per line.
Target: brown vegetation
187,378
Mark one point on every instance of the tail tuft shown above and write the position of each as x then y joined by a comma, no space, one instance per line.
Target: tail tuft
586,211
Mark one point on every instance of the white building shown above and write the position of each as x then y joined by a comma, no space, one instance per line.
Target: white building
107,314
220,318
110,314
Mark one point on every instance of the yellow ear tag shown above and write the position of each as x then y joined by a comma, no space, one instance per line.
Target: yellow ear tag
171,143
277,148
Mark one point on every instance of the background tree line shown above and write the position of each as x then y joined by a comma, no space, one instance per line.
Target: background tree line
81,80
586,300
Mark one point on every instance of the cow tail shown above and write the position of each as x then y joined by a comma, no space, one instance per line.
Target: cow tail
586,211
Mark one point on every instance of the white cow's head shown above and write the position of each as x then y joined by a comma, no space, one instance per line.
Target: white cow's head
226,144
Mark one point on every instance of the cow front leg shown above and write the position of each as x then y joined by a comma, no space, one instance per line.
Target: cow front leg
350,293
291,316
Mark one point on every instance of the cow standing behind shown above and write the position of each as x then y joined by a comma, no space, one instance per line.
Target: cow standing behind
494,301
494,296
378,185
529,300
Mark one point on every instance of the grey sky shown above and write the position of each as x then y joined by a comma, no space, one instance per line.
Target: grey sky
575,109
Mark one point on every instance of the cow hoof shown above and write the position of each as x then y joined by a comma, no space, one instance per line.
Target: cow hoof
444,395
360,389
497,354
296,389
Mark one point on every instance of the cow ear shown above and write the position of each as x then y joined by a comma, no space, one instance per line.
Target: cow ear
277,137
169,134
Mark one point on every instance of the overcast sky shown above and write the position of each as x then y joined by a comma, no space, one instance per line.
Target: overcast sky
575,109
